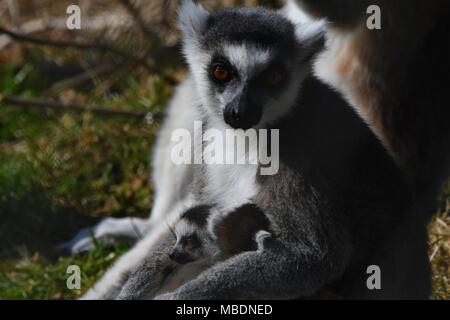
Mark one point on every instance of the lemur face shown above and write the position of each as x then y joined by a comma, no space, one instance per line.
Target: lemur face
248,63
192,235
187,249
244,80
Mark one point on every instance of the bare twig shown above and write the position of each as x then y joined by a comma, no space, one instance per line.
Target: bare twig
140,59
56,105
79,78
73,44
139,20
59,23
114,76
117,74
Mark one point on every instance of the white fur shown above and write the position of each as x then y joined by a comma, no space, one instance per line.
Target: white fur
307,32
231,185
246,57
192,19
184,228
325,68
106,231
172,182
260,236
294,13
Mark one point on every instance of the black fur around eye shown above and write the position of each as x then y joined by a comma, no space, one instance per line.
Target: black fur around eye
275,77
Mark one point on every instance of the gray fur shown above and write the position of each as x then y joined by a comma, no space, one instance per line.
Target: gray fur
159,273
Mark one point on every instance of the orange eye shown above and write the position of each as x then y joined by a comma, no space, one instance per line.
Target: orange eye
188,243
274,78
221,73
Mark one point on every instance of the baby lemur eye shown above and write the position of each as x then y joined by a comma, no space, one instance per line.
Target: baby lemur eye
190,243
221,72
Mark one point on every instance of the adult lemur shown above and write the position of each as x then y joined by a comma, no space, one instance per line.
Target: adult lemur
396,78
338,198
191,248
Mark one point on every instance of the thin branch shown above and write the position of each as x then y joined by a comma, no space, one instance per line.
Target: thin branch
139,20
140,59
114,77
152,36
73,44
58,23
56,105
79,78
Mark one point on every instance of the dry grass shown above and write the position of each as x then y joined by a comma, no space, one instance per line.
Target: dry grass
439,233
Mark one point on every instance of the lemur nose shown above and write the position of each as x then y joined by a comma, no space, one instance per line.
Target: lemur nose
235,117
235,114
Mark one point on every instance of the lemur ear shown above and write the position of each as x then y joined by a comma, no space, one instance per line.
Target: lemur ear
192,19
294,13
311,37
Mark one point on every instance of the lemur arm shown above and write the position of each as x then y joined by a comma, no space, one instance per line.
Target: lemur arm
303,258
148,277
277,272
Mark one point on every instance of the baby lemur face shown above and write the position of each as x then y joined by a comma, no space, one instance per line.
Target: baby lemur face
248,63
189,245
193,240
234,233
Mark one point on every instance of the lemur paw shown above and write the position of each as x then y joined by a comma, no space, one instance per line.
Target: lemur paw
107,231
261,237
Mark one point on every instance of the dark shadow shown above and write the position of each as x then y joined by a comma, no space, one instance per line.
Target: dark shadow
35,222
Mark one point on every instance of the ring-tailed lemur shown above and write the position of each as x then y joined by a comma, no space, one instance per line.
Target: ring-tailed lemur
173,184
191,248
337,197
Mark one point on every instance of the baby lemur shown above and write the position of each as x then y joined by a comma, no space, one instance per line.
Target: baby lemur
193,247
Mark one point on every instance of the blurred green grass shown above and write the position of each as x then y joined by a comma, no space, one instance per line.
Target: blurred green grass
32,276
62,171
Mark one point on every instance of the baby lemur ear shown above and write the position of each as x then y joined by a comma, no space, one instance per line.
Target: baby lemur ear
311,38
192,20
